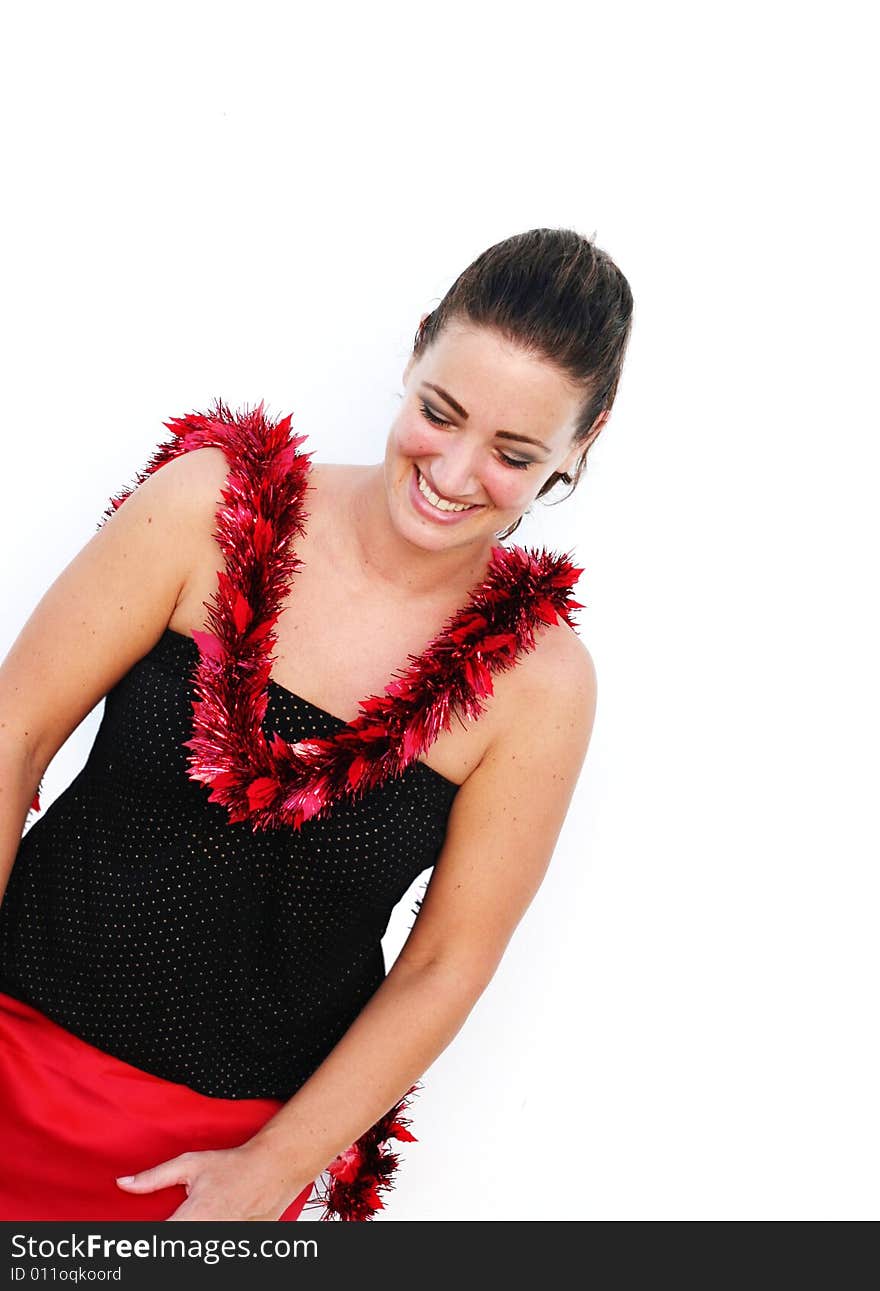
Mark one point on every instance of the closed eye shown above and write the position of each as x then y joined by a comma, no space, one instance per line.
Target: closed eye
430,415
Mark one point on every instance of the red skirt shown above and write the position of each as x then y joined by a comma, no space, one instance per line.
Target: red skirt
73,1119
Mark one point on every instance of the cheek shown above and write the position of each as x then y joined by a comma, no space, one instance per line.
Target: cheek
414,438
512,490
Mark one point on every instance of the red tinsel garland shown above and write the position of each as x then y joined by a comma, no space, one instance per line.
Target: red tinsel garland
358,1173
273,783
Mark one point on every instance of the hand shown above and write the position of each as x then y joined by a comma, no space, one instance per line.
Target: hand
233,1183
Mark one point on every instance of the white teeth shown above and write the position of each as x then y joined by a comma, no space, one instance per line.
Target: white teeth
440,503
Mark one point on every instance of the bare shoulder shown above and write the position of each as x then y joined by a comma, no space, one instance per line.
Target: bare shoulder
193,486
109,605
184,492
197,478
561,659
554,686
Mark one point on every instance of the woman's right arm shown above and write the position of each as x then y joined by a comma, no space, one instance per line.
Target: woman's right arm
106,610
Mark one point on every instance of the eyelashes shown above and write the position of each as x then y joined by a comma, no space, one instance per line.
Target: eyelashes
430,415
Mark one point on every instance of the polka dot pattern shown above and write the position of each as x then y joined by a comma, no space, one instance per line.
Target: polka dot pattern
143,921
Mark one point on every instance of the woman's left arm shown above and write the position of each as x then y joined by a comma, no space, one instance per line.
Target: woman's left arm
500,836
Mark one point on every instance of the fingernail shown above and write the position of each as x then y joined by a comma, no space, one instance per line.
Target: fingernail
125,1178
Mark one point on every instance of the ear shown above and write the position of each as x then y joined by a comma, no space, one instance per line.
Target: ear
578,449
412,358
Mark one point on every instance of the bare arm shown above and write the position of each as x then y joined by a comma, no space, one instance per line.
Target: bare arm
500,837
19,781
105,610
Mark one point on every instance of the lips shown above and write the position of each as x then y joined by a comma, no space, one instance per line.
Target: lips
425,508
468,506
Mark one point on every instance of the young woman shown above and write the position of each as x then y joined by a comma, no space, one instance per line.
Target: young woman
195,1019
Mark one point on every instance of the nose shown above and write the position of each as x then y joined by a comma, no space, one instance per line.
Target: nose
456,472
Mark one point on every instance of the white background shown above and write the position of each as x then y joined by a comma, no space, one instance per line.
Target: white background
251,202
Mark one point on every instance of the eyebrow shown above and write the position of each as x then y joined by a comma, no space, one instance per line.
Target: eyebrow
503,434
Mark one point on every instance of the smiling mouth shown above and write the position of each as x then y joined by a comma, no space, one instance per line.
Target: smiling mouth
440,504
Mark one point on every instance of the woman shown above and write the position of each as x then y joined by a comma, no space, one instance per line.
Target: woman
196,1020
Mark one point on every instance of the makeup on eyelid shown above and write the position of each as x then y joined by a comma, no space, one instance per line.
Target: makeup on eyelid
430,415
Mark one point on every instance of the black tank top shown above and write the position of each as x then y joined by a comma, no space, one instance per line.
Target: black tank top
232,961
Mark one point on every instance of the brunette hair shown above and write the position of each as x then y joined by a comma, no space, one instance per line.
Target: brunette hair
561,298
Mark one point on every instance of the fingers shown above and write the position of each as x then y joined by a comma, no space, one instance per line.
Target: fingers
167,1174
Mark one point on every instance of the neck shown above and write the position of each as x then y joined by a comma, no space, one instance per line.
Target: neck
405,569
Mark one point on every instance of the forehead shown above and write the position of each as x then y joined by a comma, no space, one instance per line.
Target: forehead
495,379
